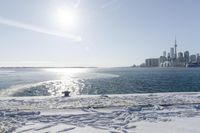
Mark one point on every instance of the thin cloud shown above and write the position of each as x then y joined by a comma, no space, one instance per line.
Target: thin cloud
109,3
77,3
21,25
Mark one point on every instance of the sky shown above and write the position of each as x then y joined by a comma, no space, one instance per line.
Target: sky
101,33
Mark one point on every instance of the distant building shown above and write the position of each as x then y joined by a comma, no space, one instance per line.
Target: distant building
198,58
179,63
162,59
193,58
168,56
152,62
143,65
180,57
172,55
164,53
166,64
186,57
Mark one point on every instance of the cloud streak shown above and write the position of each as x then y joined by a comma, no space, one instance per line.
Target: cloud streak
33,28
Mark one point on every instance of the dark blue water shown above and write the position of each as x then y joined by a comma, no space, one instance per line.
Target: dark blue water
147,80
43,82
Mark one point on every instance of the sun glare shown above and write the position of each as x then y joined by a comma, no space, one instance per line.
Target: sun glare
67,71
66,17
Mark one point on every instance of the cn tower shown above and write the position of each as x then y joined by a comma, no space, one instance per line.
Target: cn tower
175,46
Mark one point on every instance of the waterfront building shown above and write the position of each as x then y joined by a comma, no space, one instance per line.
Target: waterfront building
164,53
143,65
198,58
180,57
152,62
162,59
193,58
172,55
166,64
186,57
168,56
179,63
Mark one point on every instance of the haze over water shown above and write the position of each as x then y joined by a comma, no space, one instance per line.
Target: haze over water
53,81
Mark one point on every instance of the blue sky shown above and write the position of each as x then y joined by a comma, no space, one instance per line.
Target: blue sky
101,33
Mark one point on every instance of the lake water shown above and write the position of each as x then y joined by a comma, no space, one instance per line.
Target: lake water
53,81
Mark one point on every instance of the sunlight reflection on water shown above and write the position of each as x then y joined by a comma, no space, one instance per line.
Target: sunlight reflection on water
68,81
67,71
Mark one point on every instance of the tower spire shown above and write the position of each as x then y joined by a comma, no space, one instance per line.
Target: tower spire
175,45
175,39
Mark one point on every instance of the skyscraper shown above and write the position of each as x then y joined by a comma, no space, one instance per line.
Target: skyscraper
186,56
180,55
168,55
164,53
172,56
193,58
198,58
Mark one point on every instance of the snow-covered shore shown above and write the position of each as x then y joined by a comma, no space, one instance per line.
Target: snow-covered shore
138,113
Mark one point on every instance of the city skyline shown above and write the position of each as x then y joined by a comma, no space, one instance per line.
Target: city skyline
174,58
98,33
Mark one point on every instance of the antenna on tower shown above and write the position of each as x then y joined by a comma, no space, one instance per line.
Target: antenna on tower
175,40
175,45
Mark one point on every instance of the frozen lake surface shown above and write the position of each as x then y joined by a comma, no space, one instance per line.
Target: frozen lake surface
166,112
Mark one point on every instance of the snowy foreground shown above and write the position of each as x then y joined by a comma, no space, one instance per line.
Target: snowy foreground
136,113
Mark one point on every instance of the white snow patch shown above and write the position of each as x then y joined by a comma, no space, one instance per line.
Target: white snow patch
139,113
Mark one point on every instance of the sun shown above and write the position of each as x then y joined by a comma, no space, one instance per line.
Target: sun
66,17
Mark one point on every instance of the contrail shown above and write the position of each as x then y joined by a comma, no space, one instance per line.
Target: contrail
21,25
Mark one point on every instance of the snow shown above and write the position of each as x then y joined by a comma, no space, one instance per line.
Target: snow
127,113
178,125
